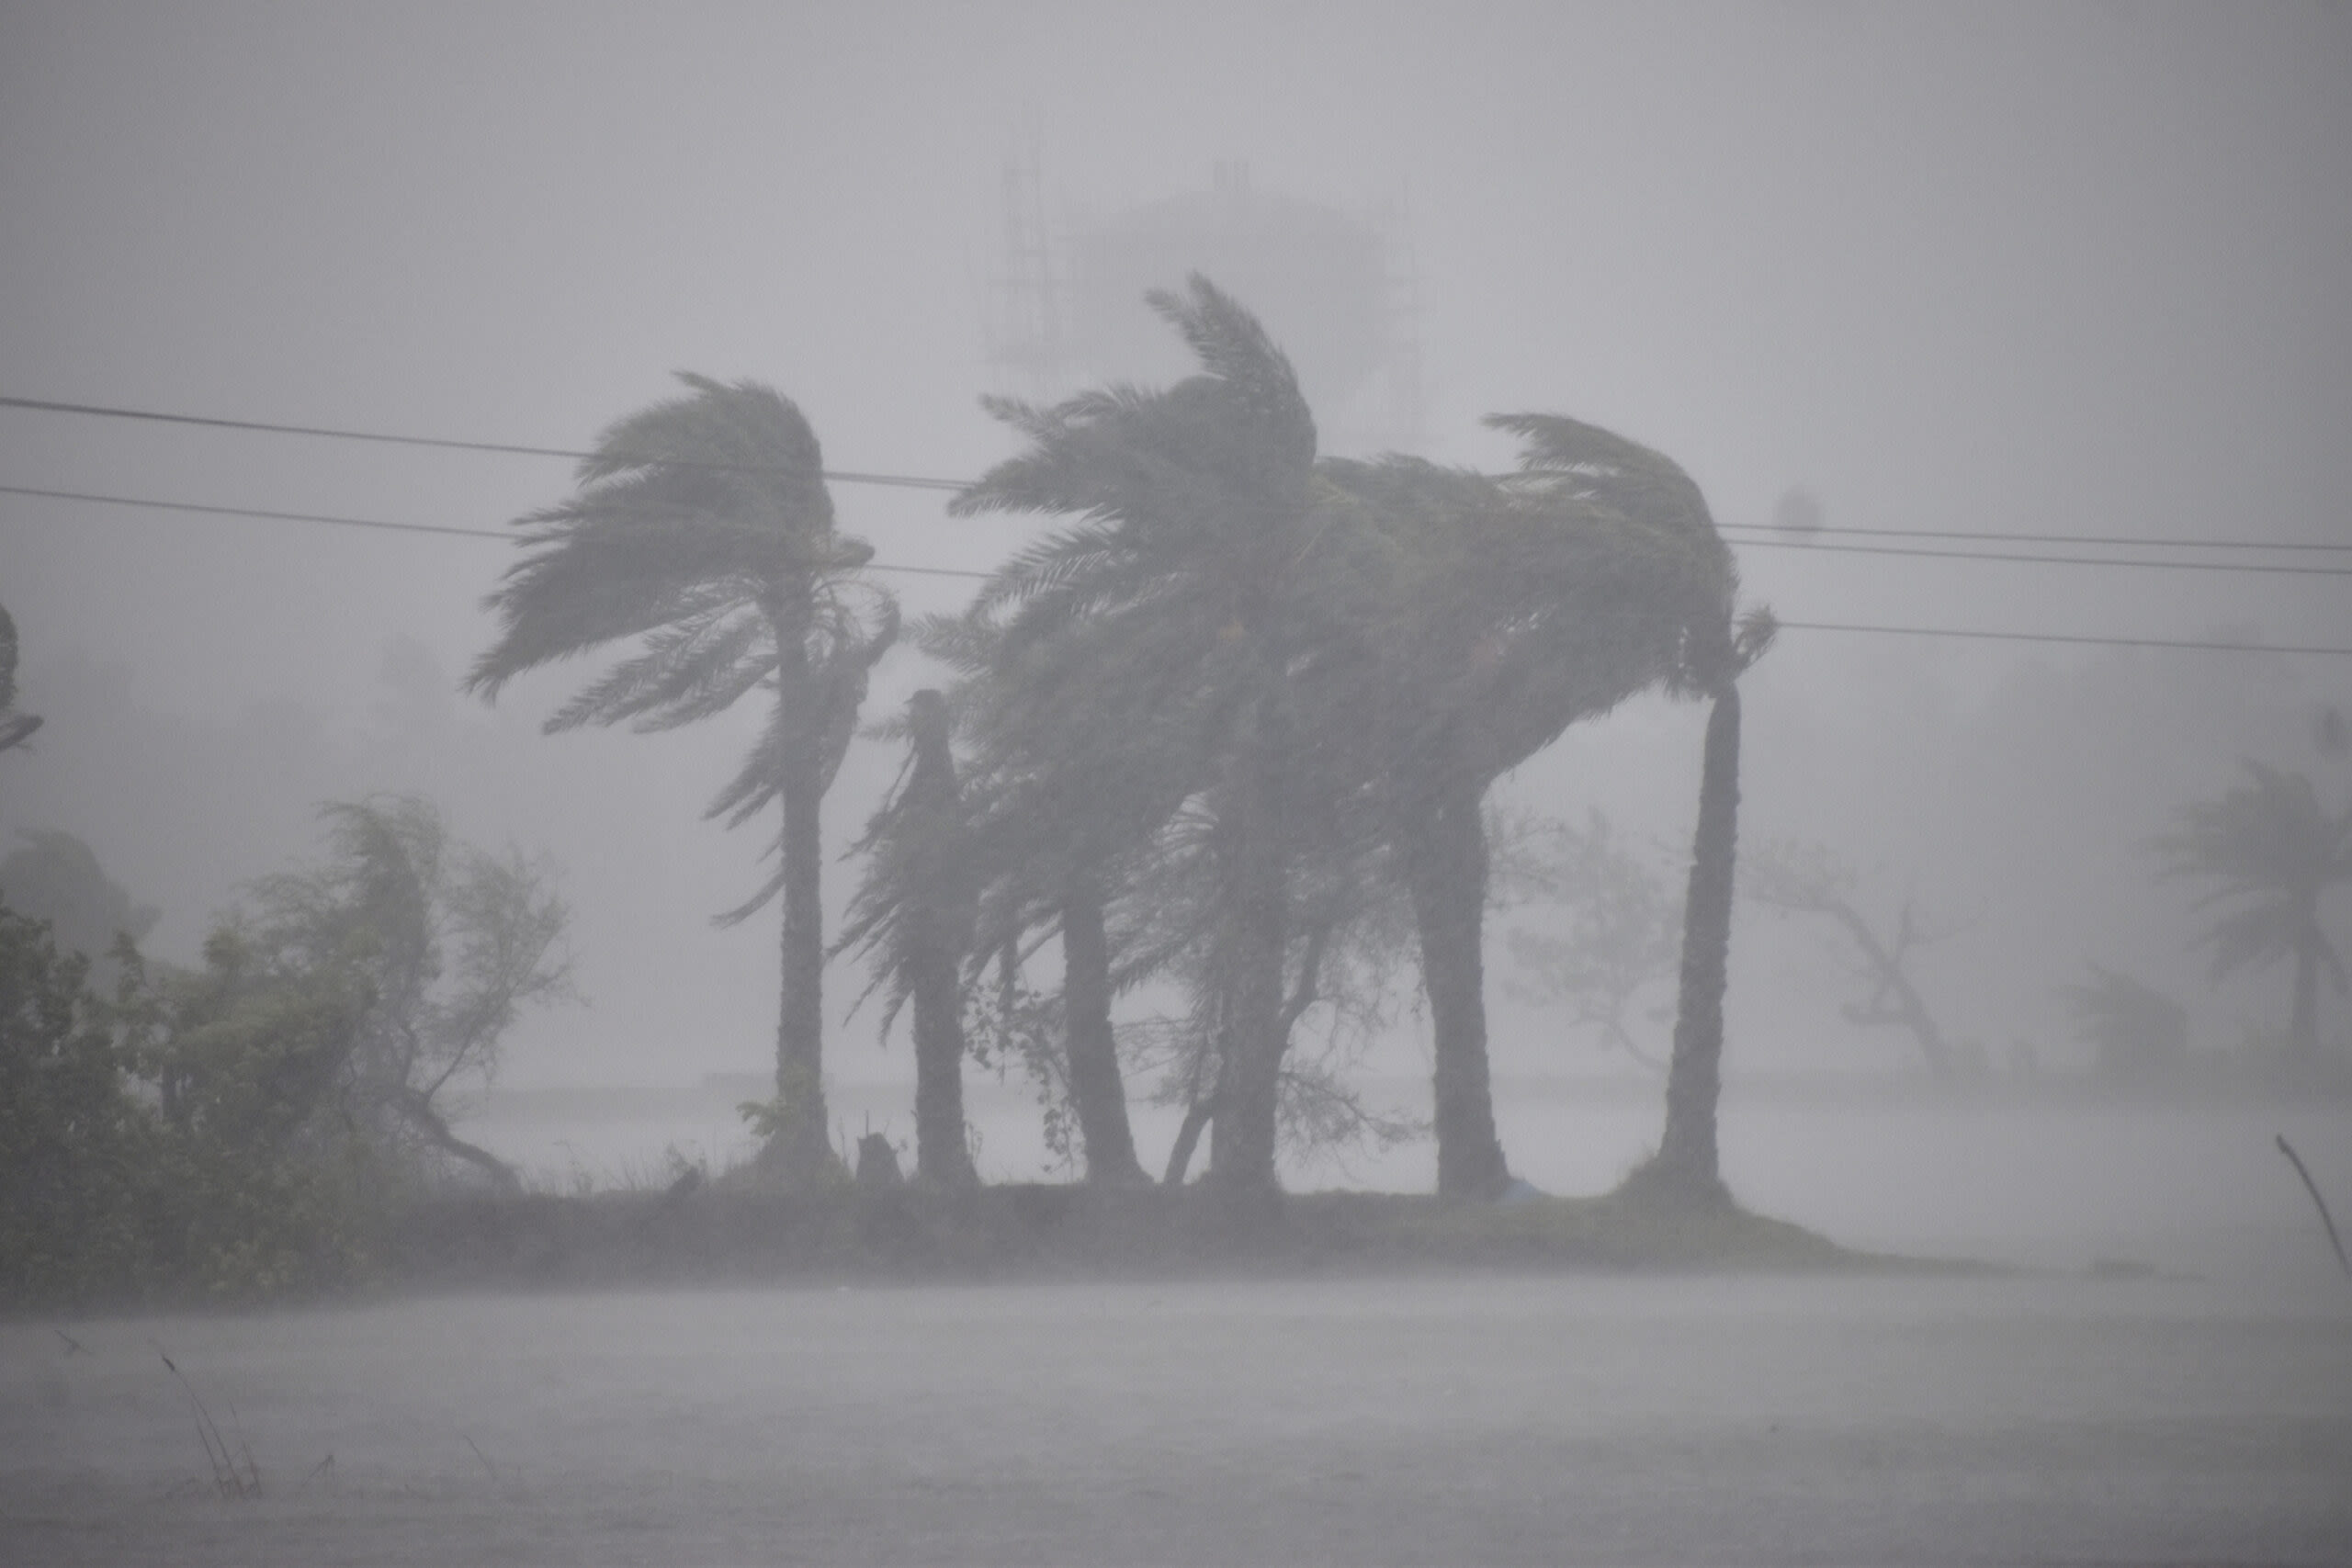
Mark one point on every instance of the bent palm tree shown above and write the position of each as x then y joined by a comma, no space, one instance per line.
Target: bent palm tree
1652,491
1507,611
1193,509
2270,847
702,535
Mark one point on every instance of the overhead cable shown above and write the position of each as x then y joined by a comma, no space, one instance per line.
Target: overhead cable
915,482
333,520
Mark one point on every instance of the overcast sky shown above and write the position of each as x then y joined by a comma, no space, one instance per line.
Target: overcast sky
2079,269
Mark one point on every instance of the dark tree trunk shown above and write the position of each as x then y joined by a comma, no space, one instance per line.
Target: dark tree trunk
1445,862
2303,1038
943,1151
1094,1080
802,1149
935,939
1242,1136
1686,1164
1188,1138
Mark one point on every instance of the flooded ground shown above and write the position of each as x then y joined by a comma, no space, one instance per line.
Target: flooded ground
1577,1419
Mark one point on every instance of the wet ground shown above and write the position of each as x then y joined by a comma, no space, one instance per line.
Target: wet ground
1577,1419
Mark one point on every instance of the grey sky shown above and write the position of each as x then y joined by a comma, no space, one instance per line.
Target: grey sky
2072,268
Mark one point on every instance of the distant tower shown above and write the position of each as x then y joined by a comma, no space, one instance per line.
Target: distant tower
1340,294
1028,312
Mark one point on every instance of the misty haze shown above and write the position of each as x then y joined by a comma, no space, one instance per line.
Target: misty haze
1051,783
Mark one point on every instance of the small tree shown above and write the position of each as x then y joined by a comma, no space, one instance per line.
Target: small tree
1623,931
2271,850
1808,879
435,948
79,1154
2139,1033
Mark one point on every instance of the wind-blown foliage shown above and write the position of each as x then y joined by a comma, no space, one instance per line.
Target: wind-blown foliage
702,537
1502,613
1192,509
2271,849
913,915
444,945
1717,646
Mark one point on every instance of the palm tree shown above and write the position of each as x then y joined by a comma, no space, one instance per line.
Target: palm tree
1194,508
914,911
2269,846
1067,789
1653,493
701,534
1506,611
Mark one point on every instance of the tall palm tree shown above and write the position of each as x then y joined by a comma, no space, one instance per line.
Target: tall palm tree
1716,645
1195,509
701,536
2269,847
1688,1166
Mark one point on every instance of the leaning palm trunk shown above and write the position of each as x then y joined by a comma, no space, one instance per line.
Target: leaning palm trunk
1445,866
1094,1081
1686,1164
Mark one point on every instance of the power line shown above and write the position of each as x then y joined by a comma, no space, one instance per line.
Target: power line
1998,557
509,449
333,520
2020,558
2109,541
2082,640
913,481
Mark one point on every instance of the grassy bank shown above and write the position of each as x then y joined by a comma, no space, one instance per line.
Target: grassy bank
1043,1231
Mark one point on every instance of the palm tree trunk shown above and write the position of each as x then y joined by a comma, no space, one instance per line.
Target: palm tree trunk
2304,1029
1445,862
1242,1136
938,932
1094,1081
943,1151
803,1144
1686,1164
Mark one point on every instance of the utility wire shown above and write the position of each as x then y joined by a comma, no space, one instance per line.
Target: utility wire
44,405
333,520
2020,558
2082,639
912,481
2109,541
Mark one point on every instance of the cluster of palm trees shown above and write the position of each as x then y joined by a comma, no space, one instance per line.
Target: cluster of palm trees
1228,724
